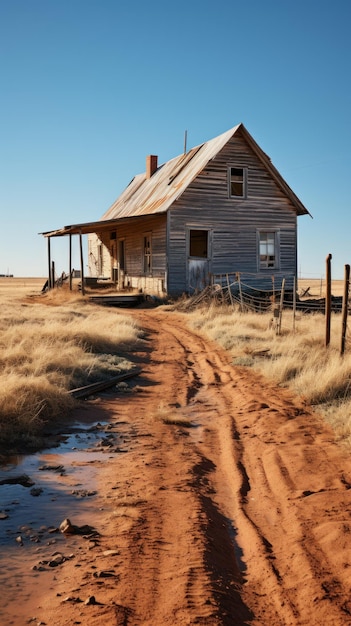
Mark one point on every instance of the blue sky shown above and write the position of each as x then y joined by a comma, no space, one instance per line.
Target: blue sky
90,87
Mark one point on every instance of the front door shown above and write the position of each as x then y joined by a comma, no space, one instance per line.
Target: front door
199,259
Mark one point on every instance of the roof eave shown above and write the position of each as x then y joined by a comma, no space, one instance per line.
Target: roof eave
299,206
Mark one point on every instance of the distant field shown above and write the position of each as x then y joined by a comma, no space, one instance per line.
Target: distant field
25,283
316,286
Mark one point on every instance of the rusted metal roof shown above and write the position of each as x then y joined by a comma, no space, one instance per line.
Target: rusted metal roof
149,196
155,195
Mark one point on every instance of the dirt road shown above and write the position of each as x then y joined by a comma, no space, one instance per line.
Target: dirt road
240,515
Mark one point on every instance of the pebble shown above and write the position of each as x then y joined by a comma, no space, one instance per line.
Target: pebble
67,527
90,600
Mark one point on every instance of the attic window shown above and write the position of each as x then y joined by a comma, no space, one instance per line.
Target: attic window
237,182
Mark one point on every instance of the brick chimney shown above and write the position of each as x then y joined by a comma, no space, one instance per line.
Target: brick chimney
151,165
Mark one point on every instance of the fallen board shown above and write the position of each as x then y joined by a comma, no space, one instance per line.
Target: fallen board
125,300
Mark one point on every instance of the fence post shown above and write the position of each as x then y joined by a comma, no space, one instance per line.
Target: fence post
229,290
273,291
294,304
328,300
281,306
345,306
241,294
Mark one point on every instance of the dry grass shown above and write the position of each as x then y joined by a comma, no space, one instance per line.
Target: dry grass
47,350
297,358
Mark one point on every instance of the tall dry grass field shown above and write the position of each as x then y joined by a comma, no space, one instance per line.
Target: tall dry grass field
48,345
296,358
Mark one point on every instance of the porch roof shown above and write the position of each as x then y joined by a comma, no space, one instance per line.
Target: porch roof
87,227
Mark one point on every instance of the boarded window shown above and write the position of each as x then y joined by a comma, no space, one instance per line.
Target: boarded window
198,243
268,250
237,182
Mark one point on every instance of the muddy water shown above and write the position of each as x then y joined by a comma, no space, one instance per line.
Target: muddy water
37,492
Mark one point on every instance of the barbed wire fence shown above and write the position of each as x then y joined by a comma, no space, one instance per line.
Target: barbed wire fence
245,292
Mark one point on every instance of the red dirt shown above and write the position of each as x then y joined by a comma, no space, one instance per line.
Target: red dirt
243,518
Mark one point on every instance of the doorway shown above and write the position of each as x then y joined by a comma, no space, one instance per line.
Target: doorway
199,259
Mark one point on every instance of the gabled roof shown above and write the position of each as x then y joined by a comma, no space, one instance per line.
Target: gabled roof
148,196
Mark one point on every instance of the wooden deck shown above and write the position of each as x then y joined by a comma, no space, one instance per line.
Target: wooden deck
118,299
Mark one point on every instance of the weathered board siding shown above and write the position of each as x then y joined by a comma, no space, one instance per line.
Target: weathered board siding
234,222
133,232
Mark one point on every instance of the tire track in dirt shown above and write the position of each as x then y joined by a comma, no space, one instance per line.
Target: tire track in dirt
243,518
286,557
227,449
211,583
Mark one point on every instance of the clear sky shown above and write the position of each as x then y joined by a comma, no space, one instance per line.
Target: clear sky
90,87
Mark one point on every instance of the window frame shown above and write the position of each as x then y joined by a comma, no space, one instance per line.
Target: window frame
243,182
264,265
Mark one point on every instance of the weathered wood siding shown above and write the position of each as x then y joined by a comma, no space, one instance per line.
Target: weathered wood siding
96,268
234,222
133,232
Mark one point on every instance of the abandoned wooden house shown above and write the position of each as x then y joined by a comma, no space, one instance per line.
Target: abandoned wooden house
217,209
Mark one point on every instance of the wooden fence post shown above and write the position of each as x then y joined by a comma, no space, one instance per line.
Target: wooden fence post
328,300
240,293
281,306
345,306
229,290
273,291
294,304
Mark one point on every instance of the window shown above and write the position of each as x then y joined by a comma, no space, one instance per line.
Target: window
147,254
268,250
198,243
237,182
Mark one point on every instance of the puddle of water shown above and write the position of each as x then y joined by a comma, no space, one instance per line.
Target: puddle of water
53,475
62,485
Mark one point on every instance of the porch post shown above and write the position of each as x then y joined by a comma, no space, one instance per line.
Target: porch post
81,263
49,264
70,262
